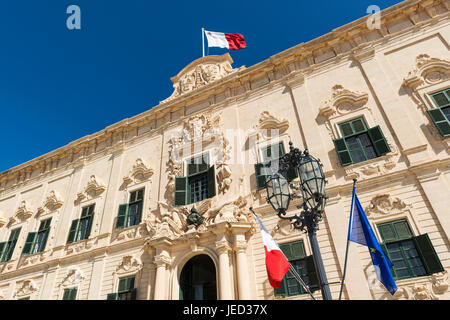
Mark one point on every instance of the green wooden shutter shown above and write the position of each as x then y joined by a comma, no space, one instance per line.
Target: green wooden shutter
440,121
402,229
343,152
91,221
379,141
121,216
2,248
181,186
261,177
283,289
133,294
29,243
293,250
44,241
211,182
73,294
428,254
112,296
72,231
66,295
312,274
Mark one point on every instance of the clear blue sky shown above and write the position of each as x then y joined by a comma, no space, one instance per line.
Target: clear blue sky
58,85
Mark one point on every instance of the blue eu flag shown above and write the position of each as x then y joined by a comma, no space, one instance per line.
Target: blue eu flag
361,232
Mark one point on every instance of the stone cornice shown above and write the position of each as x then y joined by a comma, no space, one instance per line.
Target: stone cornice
284,64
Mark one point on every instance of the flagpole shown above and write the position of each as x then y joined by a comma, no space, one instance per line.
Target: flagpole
203,41
348,240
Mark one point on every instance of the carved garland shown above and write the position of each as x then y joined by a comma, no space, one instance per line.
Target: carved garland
73,277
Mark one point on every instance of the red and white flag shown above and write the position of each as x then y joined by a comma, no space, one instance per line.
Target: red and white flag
233,41
276,263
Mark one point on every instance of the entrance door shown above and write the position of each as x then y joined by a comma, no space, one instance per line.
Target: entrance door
198,279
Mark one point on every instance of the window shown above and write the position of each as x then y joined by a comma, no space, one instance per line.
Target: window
7,248
36,241
360,143
263,171
296,255
198,185
126,290
411,256
130,214
80,229
70,294
441,114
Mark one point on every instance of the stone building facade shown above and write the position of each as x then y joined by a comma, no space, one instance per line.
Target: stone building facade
110,216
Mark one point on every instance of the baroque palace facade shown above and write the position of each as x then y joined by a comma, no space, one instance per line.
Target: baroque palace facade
126,213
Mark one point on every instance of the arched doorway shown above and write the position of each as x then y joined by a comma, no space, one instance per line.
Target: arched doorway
198,279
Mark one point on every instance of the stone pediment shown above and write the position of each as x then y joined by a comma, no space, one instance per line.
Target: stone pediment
201,72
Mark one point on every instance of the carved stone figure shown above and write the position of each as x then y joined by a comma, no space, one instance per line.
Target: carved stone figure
194,218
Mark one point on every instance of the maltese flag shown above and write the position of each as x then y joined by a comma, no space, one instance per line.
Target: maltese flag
233,41
276,263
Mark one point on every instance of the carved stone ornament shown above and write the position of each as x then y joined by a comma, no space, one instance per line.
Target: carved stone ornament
430,288
282,229
93,189
3,220
269,122
428,70
198,132
139,172
81,246
73,277
231,211
133,232
383,204
51,203
200,73
25,288
129,264
342,101
23,212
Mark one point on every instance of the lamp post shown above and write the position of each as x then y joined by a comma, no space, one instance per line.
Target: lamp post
312,186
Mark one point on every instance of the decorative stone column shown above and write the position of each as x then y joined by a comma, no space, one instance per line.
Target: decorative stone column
225,283
162,261
240,248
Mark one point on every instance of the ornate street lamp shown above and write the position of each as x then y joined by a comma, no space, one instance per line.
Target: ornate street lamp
312,186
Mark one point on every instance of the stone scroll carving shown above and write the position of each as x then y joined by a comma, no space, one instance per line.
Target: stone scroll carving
138,173
51,203
93,189
342,101
428,70
129,264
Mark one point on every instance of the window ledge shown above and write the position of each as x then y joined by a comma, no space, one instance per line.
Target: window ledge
80,246
372,167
